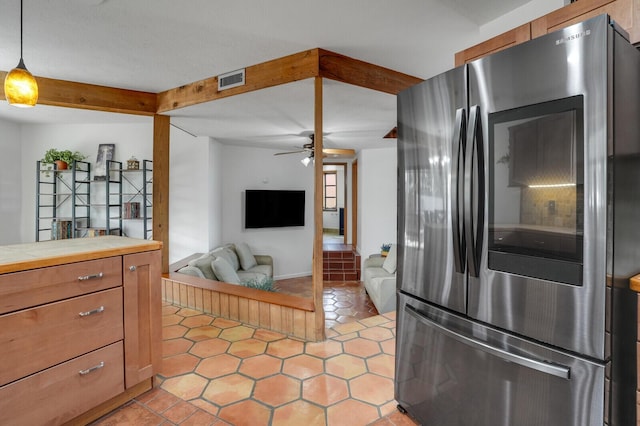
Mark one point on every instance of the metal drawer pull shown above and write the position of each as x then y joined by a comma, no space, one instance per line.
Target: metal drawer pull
95,311
89,370
91,277
132,268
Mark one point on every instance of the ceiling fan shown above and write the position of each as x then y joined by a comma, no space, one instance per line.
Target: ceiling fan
326,152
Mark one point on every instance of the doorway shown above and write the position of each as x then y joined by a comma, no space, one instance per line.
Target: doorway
335,210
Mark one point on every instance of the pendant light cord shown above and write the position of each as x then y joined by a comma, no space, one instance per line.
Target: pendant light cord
21,29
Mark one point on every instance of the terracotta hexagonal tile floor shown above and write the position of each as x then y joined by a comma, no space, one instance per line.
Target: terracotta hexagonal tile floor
346,366
383,365
203,333
209,347
260,366
372,389
246,413
229,389
178,364
303,366
325,390
362,347
299,413
218,366
285,348
186,387
247,348
175,346
219,372
325,349
351,412
234,334
277,390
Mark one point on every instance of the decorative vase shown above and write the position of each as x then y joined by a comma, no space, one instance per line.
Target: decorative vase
61,165
133,164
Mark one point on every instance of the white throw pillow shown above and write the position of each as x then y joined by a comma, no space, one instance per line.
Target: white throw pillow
247,259
227,252
390,262
204,264
224,271
193,271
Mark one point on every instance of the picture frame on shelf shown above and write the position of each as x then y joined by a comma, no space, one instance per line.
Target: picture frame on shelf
106,152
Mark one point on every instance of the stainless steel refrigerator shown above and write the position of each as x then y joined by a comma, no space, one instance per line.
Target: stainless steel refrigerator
519,228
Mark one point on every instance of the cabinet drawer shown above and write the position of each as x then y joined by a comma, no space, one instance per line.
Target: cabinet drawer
63,392
22,290
34,339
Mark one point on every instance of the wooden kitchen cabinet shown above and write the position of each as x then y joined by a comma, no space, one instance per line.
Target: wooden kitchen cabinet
80,327
142,309
510,38
624,12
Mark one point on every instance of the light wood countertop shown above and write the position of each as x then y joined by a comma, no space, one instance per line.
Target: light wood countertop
22,257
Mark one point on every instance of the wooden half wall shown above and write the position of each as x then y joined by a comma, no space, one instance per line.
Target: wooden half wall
290,315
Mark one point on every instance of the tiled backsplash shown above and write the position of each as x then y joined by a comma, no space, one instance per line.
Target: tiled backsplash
549,207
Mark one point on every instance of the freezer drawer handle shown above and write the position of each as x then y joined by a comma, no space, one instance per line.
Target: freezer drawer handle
538,365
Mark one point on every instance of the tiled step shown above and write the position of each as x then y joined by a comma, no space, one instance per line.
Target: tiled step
341,265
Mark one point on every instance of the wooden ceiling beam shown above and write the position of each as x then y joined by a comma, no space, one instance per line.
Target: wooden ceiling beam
338,152
71,94
353,71
298,66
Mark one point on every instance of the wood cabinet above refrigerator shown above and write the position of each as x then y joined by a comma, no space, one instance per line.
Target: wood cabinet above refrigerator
626,13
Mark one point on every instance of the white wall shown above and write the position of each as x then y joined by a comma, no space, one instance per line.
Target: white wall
377,199
129,139
191,187
255,168
206,183
525,13
216,194
11,183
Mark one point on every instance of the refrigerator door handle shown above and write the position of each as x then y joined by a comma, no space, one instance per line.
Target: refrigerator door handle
474,191
458,194
535,364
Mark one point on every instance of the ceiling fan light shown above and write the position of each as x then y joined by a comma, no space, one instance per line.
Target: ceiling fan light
20,87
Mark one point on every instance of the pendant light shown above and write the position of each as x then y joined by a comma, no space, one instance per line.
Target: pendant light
20,87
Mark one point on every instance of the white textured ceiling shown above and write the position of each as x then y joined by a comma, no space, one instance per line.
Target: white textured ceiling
155,45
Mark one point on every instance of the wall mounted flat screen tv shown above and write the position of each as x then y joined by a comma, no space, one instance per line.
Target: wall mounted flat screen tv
273,208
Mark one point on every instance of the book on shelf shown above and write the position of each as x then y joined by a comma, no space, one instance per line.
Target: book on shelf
61,229
131,210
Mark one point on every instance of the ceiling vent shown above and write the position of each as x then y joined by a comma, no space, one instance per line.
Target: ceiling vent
231,79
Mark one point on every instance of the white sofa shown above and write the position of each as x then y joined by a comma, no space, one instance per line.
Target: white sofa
240,266
379,276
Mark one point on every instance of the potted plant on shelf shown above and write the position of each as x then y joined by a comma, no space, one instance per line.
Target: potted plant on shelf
384,249
62,159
